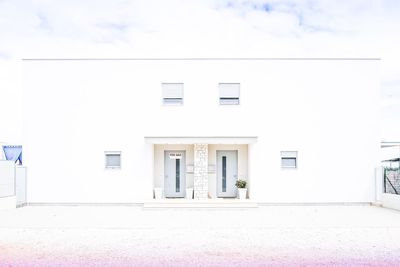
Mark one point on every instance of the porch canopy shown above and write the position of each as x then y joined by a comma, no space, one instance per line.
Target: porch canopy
201,139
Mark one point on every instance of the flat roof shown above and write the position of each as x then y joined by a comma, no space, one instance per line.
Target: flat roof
207,58
200,139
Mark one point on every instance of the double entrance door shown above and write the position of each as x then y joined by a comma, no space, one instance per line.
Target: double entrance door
175,173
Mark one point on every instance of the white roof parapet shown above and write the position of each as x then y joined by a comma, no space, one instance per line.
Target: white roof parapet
206,58
200,139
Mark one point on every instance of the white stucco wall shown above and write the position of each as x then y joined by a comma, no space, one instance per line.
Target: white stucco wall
391,201
7,178
20,184
325,109
2,156
7,185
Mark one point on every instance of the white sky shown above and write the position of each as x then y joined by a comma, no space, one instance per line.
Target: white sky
202,28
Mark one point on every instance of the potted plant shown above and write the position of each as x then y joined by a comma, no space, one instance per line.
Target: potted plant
241,186
158,193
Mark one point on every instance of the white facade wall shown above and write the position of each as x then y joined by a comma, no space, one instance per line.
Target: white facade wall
391,201
20,185
7,178
74,110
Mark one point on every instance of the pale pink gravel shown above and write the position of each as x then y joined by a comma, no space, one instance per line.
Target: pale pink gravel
267,236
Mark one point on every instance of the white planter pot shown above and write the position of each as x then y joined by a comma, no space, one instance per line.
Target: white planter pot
242,193
158,193
189,193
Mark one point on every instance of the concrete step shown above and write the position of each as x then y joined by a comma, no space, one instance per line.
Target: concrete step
377,204
194,203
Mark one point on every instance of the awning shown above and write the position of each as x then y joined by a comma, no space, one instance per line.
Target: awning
200,139
13,153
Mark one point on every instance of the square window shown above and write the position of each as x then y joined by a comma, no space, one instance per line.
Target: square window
229,93
289,159
172,93
113,159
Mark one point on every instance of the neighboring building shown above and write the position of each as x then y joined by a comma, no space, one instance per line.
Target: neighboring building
112,130
390,154
390,158
12,176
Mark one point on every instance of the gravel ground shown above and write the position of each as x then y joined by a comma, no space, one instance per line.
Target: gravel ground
267,236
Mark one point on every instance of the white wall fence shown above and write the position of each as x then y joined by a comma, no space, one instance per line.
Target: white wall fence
20,185
12,185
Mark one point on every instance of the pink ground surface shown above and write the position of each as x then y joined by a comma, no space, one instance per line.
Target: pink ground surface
268,236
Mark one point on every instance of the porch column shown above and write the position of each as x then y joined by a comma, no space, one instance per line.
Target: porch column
200,185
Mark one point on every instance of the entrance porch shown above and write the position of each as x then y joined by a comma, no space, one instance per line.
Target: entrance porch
199,168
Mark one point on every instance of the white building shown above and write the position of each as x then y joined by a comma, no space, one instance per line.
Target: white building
112,130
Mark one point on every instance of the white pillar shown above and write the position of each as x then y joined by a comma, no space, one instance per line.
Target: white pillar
200,171
379,190
149,178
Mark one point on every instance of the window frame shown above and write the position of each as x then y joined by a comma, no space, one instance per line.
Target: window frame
232,102
290,155
112,153
172,103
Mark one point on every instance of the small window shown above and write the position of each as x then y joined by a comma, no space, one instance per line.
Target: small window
229,93
113,159
289,159
172,93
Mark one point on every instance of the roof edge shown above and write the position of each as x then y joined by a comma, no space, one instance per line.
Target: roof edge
201,58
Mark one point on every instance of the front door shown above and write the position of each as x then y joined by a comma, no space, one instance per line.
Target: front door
226,173
174,173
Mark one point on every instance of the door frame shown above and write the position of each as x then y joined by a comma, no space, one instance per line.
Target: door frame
218,169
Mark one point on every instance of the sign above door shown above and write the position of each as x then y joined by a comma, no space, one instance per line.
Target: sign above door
175,155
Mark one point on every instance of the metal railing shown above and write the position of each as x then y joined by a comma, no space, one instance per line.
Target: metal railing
391,180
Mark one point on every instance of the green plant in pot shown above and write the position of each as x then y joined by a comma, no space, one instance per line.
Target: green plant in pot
242,190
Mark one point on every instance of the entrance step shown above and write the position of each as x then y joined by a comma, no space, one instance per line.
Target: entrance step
195,203
377,204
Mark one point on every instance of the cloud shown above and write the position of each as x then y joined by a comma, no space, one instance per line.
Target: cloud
274,28
282,28
190,23
207,28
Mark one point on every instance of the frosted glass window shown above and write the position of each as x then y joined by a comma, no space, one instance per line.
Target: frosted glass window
172,93
229,93
224,174
289,159
113,159
288,162
177,175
